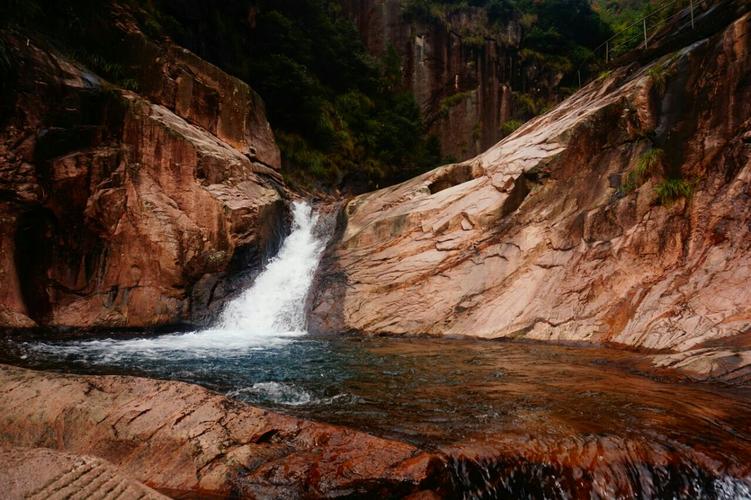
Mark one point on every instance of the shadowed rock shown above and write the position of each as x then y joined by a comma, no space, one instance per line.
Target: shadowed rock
121,209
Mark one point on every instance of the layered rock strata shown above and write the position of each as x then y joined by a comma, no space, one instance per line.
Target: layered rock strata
181,438
44,474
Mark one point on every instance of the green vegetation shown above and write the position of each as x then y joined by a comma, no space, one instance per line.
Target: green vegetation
660,72
558,37
647,165
670,190
453,100
342,116
529,105
510,126
625,18
78,28
649,162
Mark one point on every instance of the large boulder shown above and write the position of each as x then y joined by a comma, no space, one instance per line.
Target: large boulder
122,209
181,438
559,232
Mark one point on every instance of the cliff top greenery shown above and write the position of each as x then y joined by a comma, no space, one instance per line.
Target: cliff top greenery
341,116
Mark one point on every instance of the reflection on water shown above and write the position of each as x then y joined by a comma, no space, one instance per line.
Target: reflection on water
528,419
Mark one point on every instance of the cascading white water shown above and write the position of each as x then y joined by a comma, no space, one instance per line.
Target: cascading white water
267,314
274,305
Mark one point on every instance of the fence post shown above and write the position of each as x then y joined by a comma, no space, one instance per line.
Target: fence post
607,52
579,73
644,25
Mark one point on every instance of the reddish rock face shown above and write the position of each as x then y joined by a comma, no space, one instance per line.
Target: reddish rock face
200,93
44,473
181,438
128,211
442,61
544,236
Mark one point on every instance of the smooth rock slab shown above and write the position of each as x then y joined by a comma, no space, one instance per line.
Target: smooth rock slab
179,437
43,474
541,237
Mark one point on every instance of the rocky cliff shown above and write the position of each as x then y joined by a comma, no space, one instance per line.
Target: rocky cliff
130,209
460,69
622,216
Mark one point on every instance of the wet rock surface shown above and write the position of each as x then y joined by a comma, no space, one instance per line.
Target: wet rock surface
545,237
563,438
178,437
122,209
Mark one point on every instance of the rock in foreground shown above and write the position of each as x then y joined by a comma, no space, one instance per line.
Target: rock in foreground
181,438
45,474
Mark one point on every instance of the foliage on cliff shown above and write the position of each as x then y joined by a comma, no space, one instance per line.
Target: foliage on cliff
339,117
558,34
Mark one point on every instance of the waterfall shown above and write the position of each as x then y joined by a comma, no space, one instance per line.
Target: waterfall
274,305
267,314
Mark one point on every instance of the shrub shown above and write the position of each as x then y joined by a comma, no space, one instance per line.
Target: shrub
510,126
658,74
669,190
646,166
449,102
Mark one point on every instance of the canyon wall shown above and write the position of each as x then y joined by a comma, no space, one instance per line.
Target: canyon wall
622,216
460,69
125,208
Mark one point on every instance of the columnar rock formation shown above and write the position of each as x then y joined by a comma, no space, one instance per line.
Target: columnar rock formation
124,209
460,71
622,216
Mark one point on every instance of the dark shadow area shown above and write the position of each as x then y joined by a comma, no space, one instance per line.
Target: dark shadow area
33,256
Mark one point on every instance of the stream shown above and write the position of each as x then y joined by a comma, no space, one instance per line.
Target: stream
514,419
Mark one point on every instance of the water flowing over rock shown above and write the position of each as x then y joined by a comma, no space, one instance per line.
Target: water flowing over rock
122,209
546,235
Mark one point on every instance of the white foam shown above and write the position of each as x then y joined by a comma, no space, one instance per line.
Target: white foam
268,314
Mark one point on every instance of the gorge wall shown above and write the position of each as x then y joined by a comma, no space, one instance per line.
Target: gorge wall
130,209
622,216
460,69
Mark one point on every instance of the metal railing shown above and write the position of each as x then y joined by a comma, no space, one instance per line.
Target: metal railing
642,31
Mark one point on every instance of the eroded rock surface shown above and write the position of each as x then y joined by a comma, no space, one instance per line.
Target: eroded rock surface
123,209
44,474
178,437
547,235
